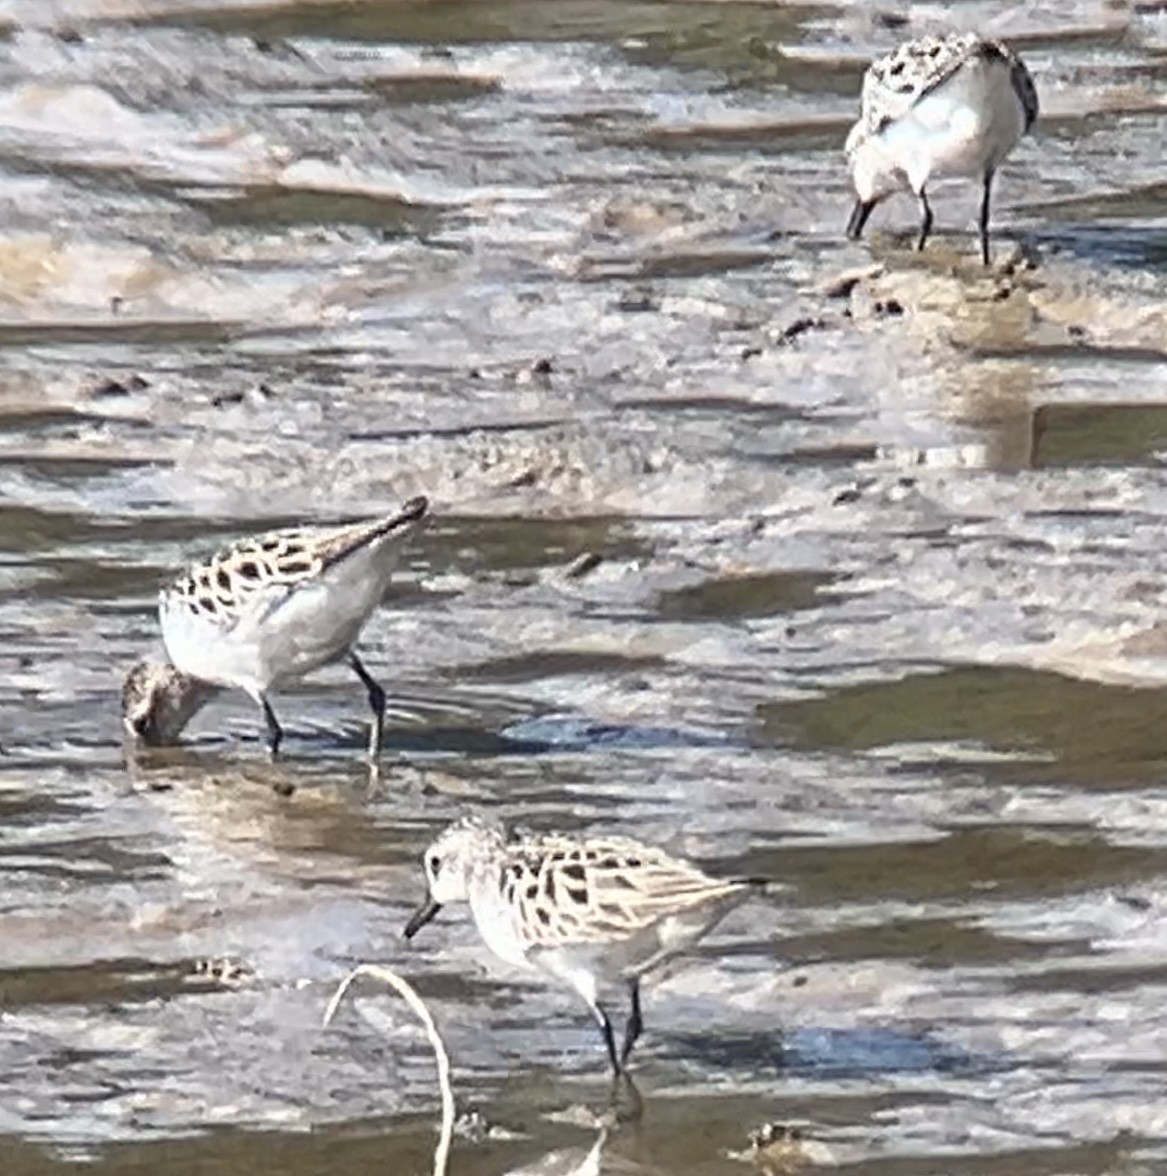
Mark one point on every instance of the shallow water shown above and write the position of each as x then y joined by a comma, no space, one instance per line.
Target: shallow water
852,583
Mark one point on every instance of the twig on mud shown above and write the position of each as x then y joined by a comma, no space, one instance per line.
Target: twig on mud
406,990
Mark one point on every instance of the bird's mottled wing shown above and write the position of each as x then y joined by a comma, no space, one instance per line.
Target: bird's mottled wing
250,577
895,83
253,577
601,891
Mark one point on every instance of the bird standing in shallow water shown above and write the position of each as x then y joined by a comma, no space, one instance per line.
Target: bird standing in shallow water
265,612
588,911
936,108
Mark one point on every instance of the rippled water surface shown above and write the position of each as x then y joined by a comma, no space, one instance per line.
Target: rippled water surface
821,560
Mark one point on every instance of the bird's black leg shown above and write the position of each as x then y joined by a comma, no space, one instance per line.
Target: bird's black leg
984,221
635,1022
609,1039
275,733
926,222
376,704
858,218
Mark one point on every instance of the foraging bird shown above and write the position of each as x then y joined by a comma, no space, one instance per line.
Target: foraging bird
588,911
158,701
265,612
936,108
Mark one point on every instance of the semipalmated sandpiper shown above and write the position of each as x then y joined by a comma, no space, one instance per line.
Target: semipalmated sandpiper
265,612
936,108
590,911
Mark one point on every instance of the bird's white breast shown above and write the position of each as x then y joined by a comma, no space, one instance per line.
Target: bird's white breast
197,645
964,127
497,923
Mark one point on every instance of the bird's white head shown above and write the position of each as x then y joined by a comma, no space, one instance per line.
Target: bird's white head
874,172
158,701
449,860
450,863
875,175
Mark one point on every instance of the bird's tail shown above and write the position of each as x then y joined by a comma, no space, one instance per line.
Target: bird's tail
351,539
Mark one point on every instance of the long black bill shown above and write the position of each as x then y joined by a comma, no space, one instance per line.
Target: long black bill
421,916
859,215
412,510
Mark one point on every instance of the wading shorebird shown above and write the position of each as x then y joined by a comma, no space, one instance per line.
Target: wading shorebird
263,613
937,108
591,911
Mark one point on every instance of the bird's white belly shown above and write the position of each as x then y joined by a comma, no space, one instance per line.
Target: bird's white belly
496,925
199,648
961,130
317,625
937,141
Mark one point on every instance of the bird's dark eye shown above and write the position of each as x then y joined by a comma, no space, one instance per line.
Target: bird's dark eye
143,725
435,865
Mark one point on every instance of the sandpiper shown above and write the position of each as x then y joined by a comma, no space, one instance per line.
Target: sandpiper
265,612
589,911
158,701
936,108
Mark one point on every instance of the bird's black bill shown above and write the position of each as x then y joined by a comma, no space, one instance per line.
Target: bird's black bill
413,510
421,916
859,215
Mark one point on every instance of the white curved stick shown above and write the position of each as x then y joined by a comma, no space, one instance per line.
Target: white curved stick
406,990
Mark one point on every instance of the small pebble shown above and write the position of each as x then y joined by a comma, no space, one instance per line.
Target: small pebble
842,285
888,308
579,567
799,327
107,389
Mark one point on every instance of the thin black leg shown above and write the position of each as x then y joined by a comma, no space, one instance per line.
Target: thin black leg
275,732
984,221
635,1024
926,222
858,218
624,1100
376,704
609,1039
